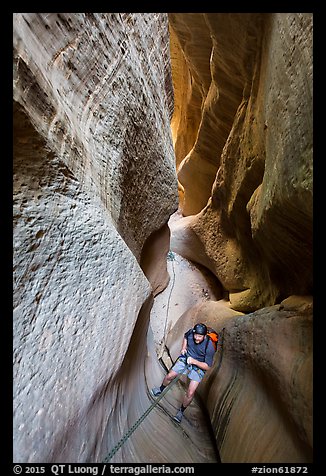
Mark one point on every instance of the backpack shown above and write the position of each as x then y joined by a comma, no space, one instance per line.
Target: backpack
213,336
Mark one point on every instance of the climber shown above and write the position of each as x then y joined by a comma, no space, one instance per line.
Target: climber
196,357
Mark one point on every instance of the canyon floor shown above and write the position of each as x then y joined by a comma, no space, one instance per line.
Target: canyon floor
190,286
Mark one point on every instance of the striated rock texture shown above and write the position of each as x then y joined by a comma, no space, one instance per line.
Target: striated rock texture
94,178
260,399
93,91
247,174
94,186
258,394
70,267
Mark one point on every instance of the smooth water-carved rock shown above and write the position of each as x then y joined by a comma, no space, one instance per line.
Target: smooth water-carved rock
250,186
94,185
72,271
251,225
260,399
94,177
104,106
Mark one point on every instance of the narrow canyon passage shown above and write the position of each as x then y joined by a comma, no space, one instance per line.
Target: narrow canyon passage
162,176
190,286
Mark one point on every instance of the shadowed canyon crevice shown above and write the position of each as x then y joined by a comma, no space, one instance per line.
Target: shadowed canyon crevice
162,176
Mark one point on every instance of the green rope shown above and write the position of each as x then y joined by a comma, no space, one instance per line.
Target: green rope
141,419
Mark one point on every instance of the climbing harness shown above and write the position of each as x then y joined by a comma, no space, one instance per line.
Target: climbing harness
153,405
142,418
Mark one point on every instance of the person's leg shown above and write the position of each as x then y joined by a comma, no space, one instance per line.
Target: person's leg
190,393
193,384
178,368
169,377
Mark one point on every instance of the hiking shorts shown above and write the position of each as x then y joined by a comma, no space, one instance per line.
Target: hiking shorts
180,367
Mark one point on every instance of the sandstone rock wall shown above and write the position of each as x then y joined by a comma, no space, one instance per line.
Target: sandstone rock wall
247,180
260,399
104,105
94,185
94,177
246,199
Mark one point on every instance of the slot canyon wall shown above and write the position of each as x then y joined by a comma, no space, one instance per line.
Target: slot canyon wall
95,182
242,130
94,177
245,167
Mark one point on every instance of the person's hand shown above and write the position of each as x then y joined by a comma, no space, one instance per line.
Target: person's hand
183,351
190,360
